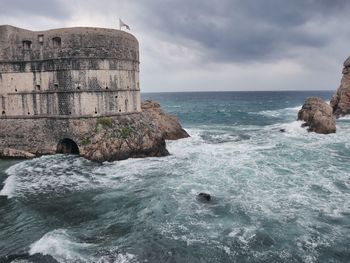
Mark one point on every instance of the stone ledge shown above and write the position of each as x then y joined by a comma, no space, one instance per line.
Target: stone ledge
67,116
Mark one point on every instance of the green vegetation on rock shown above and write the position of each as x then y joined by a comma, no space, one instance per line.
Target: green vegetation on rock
125,132
103,123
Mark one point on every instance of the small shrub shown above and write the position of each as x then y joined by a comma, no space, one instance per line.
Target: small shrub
125,132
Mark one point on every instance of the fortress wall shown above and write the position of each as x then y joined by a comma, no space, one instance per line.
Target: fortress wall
82,103
69,80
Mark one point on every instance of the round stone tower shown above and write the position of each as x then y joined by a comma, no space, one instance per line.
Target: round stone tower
69,72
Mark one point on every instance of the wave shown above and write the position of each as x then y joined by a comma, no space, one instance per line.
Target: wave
55,174
60,246
279,113
65,248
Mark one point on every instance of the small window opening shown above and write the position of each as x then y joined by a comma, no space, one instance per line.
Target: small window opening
95,111
28,113
15,89
116,97
120,110
70,113
27,44
127,87
3,112
107,87
56,42
41,39
78,87
37,87
56,86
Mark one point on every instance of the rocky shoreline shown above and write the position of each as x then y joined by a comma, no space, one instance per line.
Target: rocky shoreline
114,138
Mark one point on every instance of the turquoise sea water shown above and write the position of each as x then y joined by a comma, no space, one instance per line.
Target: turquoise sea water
277,197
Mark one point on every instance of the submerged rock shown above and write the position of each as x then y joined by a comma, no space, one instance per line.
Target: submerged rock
167,124
204,197
318,116
340,102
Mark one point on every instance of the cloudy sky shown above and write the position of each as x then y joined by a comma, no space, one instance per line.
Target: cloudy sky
213,45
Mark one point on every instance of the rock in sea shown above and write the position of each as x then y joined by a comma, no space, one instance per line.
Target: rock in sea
318,116
204,197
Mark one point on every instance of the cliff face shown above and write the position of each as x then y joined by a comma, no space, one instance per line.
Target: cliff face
340,101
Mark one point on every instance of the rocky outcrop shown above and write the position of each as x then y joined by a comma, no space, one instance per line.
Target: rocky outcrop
318,116
167,124
14,153
340,101
122,137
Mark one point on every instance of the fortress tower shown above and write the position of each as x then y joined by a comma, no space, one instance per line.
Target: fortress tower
68,73
56,85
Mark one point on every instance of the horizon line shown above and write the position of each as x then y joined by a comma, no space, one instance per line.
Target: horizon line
202,91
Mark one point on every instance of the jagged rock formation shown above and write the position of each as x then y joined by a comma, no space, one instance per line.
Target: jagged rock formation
166,123
318,116
340,101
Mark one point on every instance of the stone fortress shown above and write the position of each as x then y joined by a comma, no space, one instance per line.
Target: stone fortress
73,90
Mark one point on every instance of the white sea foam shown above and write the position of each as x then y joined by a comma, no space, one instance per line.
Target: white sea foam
9,187
60,246
293,128
278,113
64,248
49,174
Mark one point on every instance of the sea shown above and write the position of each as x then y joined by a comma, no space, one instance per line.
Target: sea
276,196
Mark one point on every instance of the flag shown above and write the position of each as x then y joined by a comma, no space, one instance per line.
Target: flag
121,24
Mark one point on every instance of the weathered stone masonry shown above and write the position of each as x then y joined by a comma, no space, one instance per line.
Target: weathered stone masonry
57,84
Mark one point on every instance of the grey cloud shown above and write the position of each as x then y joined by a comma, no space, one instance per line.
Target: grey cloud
53,8
239,31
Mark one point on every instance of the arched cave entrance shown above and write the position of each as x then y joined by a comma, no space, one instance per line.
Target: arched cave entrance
67,146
